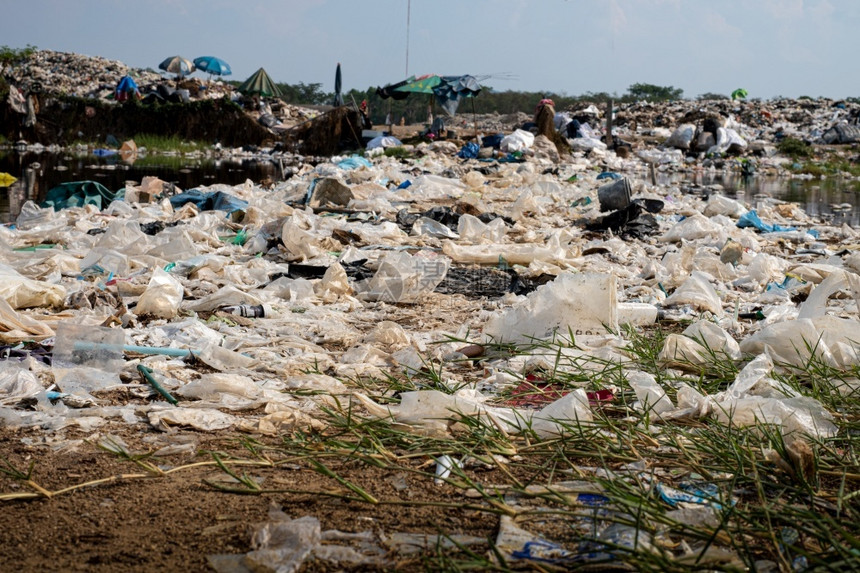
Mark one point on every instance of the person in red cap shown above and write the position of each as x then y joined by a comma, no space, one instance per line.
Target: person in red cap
365,115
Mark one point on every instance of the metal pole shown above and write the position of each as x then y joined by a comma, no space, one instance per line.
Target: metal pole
408,15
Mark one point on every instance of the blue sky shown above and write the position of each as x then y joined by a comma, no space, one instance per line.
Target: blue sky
769,47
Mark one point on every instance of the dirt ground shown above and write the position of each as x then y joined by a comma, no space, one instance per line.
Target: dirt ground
174,522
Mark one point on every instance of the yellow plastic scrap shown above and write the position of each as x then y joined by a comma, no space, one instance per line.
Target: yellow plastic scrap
6,179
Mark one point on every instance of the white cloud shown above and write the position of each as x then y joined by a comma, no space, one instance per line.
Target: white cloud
617,17
718,25
785,9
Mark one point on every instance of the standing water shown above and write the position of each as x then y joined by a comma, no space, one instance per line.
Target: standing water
38,173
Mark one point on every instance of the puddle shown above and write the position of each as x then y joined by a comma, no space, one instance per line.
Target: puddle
833,200
37,173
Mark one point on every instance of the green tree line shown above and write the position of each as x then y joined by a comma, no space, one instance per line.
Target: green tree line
414,108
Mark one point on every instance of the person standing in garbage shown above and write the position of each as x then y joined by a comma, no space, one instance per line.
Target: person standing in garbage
545,122
365,115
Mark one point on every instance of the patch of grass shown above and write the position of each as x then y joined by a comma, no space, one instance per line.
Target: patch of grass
601,490
398,152
163,143
795,148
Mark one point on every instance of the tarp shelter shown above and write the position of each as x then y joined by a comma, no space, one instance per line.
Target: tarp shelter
259,83
447,90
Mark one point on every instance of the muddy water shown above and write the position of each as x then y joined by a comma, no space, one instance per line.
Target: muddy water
833,200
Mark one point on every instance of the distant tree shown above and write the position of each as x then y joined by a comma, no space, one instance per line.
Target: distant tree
655,93
303,93
711,96
12,56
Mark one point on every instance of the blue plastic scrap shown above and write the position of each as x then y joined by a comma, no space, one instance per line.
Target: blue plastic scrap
209,201
469,151
703,494
609,175
405,184
751,219
354,162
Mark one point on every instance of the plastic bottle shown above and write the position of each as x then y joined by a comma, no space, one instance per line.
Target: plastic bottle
247,310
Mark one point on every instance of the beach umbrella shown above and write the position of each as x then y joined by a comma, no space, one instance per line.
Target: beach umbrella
177,65
739,93
213,66
451,89
420,85
338,96
259,83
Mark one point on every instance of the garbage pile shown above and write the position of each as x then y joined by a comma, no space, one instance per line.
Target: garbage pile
62,73
761,124
477,282
249,308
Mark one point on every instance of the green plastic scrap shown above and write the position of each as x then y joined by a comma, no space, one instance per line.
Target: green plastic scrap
147,375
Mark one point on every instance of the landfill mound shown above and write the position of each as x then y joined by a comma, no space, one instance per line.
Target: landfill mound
73,97
495,357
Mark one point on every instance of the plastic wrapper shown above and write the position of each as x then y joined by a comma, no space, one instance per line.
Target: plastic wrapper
402,277
698,293
162,296
582,305
473,230
691,229
21,292
652,397
198,418
16,327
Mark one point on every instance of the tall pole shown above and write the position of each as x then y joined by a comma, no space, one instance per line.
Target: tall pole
408,15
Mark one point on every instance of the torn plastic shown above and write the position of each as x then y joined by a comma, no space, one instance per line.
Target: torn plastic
580,306
404,278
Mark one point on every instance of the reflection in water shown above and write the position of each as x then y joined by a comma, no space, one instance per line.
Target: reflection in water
833,200
38,173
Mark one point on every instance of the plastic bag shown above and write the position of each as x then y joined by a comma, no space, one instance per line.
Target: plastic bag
162,296
692,228
21,292
519,140
199,418
714,338
697,292
432,228
473,230
722,205
682,137
402,277
652,397
16,327
582,305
